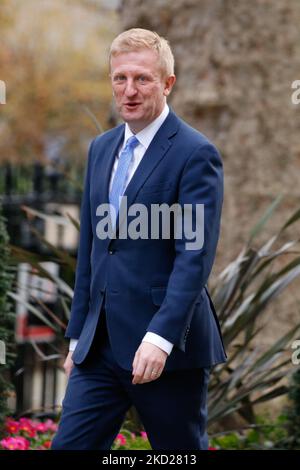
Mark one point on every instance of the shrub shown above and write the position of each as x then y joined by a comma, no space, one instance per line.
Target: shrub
292,441
7,319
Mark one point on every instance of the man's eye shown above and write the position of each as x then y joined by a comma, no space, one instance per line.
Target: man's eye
142,78
119,78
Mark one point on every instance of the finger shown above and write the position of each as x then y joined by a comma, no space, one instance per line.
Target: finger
154,374
135,361
149,370
139,372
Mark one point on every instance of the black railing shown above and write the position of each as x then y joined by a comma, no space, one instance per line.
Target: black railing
38,181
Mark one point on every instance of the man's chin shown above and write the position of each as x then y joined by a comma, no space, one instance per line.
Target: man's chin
132,117
131,113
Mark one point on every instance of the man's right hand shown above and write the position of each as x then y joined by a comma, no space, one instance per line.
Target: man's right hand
68,365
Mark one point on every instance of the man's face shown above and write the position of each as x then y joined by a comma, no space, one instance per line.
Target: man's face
139,88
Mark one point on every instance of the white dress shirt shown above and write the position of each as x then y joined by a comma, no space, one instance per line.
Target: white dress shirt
145,137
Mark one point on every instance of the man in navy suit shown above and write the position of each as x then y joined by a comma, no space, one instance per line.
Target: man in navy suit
143,328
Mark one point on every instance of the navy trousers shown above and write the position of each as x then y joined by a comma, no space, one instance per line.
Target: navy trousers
172,408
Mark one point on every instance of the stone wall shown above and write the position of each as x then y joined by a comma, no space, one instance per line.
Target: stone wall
235,62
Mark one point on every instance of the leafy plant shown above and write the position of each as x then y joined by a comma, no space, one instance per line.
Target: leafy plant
7,319
126,440
292,440
253,437
242,293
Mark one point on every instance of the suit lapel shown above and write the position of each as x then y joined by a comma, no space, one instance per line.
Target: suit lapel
155,152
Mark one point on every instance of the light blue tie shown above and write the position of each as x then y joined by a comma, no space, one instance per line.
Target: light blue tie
119,180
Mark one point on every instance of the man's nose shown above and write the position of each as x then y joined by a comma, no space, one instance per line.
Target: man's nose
130,89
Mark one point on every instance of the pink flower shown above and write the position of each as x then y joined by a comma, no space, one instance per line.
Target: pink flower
133,436
144,435
45,426
11,426
26,422
15,443
212,448
40,427
51,425
27,426
121,440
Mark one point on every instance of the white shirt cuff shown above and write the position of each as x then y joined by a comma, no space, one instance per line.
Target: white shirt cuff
150,337
73,344
159,341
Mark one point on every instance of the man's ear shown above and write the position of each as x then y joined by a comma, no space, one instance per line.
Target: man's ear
169,83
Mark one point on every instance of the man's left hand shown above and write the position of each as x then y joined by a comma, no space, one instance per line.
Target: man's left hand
148,364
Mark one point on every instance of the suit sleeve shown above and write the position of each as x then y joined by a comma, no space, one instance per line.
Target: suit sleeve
201,183
81,297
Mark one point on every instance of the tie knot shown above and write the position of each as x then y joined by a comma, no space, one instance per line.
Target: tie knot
132,142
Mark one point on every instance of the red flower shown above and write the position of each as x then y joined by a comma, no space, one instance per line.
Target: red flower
47,444
121,440
11,427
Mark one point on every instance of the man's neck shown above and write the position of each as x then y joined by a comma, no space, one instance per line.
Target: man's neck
138,127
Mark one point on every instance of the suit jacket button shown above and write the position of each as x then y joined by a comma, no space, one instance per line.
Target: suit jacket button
111,252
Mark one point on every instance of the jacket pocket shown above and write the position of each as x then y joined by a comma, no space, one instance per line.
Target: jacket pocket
158,294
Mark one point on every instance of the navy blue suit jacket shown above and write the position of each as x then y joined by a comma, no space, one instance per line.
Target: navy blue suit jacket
145,284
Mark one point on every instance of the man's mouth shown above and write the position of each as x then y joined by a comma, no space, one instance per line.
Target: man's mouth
132,105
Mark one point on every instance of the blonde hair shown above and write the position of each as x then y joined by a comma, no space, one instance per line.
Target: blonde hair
136,39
